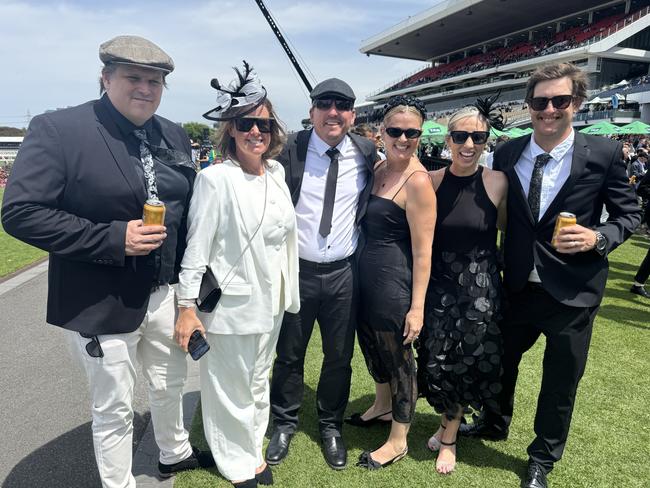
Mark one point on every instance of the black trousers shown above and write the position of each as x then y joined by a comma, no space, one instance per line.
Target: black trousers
328,293
644,270
527,314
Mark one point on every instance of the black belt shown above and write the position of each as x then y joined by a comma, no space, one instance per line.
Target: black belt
324,267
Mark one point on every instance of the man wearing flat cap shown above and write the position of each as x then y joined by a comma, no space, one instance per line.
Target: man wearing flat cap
77,190
329,174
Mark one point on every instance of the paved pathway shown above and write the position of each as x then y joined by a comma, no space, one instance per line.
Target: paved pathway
45,429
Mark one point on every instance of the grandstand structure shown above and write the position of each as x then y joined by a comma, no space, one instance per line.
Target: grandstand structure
478,47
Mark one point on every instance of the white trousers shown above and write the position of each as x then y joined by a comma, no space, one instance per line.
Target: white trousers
112,379
235,398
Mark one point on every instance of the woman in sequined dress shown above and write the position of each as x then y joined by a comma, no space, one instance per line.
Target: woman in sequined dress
459,349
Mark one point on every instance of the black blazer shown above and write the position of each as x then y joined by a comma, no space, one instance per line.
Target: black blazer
597,177
293,158
72,190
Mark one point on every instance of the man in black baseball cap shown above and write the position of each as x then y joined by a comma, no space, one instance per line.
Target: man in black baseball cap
329,174
77,190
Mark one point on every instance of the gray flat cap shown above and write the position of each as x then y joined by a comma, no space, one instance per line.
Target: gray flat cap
136,51
333,87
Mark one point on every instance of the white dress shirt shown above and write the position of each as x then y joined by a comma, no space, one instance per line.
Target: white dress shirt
556,173
351,180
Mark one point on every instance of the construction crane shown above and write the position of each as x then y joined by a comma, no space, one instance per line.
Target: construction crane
283,43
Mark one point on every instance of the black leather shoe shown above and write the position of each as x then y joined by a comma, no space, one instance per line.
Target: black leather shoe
198,459
480,429
356,420
278,447
251,483
639,290
535,477
334,451
265,477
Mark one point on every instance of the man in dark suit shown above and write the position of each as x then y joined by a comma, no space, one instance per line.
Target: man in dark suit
555,289
77,190
329,174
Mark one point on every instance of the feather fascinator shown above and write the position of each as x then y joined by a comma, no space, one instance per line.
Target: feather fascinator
486,108
243,95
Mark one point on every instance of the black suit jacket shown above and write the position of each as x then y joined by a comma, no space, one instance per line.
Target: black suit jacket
293,158
597,177
72,190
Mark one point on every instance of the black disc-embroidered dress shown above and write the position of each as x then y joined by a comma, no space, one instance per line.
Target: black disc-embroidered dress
459,349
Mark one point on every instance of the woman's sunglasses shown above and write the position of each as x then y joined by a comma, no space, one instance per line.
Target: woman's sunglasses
245,124
478,137
326,104
396,132
560,102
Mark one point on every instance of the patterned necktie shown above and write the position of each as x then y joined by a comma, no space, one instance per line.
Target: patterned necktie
330,193
535,189
147,164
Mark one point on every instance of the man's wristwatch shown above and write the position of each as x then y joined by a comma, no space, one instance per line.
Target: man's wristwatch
601,244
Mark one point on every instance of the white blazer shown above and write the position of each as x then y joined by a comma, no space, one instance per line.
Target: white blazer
220,224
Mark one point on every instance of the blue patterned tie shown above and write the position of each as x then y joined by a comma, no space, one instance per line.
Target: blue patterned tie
535,189
147,164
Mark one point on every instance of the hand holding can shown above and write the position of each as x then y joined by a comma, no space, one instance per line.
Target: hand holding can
564,219
153,212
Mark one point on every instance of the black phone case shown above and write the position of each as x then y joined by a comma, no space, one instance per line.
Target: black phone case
197,345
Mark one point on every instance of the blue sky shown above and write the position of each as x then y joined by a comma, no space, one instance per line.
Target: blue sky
49,49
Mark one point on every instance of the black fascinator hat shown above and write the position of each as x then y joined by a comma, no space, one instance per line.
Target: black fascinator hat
486,108
242,96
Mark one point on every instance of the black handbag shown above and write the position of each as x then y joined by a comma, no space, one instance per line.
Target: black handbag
209,293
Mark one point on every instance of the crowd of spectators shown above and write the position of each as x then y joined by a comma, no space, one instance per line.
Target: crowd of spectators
571,38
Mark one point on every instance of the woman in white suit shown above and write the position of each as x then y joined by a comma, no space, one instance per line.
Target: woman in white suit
241,223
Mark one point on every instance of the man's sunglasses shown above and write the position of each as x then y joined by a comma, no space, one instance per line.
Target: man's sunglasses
478,137
245,124
93,348
326,104
396,132
560,102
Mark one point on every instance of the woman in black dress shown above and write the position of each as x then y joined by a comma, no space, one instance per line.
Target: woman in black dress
394,268
459,351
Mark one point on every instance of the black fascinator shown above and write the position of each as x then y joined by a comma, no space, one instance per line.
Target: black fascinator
407,100
486,108
242,96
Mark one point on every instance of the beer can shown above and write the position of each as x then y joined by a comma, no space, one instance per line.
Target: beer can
564,219
153,212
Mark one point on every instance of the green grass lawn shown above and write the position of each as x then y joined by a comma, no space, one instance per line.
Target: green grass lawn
609,443
14,254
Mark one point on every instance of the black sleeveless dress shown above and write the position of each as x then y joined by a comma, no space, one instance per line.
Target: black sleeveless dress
385,283
459,349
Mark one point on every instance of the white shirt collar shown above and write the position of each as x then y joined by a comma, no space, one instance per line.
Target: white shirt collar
321,147
558,152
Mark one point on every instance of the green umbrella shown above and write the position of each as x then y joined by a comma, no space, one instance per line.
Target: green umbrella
636,127
433,132
601,129
515,132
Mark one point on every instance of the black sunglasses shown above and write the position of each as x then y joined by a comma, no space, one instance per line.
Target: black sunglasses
396,132
326,104
559,102
245,124
93,348
478,137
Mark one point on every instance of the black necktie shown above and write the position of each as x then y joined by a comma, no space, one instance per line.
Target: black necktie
147,164
330,192
535,189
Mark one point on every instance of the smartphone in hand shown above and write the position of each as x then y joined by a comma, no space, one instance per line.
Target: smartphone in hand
197,345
